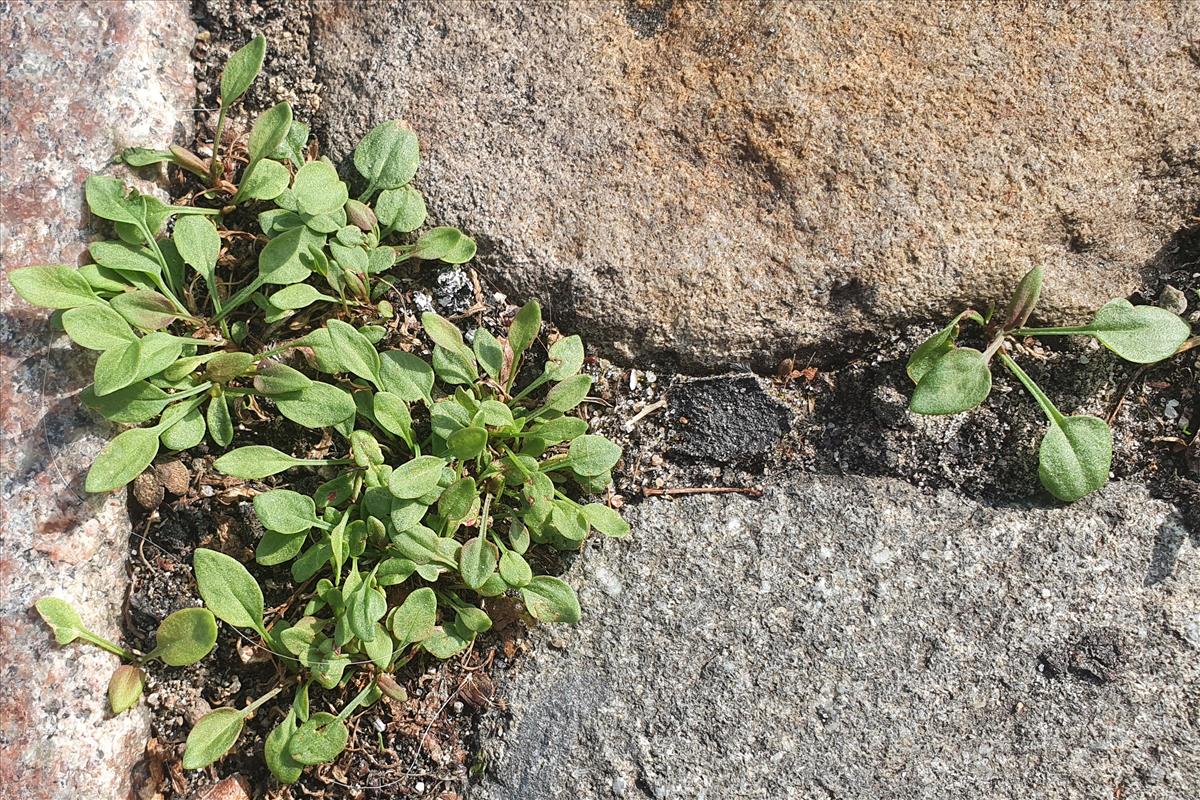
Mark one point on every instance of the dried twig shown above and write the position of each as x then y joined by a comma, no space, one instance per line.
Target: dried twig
672,491
645,412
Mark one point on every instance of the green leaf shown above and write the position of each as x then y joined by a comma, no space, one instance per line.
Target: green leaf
299,295
266,181
456,502
355,353
255,462
387,156
186,433
495,414
560,429
406,513
957,381
280,262
276,548
365,449
134,361
227,366
145,156
286,769
53,286
423,546
317,406
275,378
407,376
268,132
212,736
1141,334
125,688
293,146
489,352
569,393
445,244
525,327
220,421
456,367
936,346
379,647
400,209
122,460
185,637
393,415
145,309
472,618
514,569
285,511
565,358
318,741
447,641
96,327
1075,456
1023,301
477,561
198,243
228,589
593,455
62,619
318,189
467,443
416,478
132,405
125,257
550,600
241,70
568,522
442,331
605,520
106,198
415,618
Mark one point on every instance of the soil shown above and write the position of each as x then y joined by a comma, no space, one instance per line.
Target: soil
820,413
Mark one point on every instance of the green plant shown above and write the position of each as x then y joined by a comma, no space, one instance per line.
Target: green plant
176,341
1076,452
453,477
183,638
449,486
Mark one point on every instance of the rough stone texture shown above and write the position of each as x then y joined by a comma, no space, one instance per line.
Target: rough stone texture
857,638
706,183
77,85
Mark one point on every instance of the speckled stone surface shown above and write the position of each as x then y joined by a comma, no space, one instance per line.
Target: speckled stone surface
79,81
860,639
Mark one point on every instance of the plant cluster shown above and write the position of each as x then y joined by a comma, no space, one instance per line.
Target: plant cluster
456,469
1076,452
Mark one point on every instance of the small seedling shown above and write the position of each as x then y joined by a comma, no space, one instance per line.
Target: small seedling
1076,452
183,638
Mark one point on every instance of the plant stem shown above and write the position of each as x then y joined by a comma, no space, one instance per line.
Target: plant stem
105,644
215,163
1083,330
242,296
1048,408
250,709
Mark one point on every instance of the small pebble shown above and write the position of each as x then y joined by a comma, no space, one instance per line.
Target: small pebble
1172,300
618,787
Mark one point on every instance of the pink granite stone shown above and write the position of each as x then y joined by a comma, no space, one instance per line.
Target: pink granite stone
80,80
